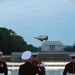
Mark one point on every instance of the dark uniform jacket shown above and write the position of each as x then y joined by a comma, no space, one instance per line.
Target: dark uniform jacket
28,69
69,68
42,70
3,68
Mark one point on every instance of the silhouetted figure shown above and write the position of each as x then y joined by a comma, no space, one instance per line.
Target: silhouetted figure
70,67
3,66
40,65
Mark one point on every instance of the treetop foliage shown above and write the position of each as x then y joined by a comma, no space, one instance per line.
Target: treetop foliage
11,42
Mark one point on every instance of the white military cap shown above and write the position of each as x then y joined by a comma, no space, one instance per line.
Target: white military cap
26,55
1,53
35,53
72,55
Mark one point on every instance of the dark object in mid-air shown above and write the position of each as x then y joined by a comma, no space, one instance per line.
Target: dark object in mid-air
42,38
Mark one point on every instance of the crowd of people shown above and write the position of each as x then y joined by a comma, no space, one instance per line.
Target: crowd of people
33,66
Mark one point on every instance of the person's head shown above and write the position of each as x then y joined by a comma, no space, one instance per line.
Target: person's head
72,56
26,56
1,55
35,56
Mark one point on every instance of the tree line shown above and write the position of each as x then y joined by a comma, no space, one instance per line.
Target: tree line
70,48
11,42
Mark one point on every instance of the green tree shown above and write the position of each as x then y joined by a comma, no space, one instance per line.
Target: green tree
11,42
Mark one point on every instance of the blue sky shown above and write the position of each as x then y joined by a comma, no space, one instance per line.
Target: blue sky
29,18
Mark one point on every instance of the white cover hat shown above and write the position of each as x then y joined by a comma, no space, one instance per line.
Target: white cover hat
26,55
72,55
35,53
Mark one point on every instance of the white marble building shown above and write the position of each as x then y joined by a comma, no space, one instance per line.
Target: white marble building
52,46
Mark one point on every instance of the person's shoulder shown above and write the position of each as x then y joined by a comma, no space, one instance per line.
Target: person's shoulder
22,64
68,64
3,62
